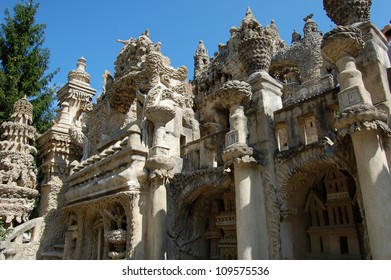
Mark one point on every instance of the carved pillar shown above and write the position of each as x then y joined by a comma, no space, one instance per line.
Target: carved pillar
159,163
266,100
364,123
250,212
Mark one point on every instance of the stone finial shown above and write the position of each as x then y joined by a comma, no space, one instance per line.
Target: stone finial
80,74
256,44
81,64
23,111
249,26
201,50
348,12
310,25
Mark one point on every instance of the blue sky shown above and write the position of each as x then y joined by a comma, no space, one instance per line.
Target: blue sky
90,28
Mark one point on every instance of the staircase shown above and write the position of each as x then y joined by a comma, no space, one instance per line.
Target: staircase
56,254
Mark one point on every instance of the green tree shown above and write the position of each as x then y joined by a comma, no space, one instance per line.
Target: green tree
3,231
24,63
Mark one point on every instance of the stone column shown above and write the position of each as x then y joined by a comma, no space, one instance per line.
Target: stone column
375,184
238,124
267,99
251,228
158,219
364,123
159,163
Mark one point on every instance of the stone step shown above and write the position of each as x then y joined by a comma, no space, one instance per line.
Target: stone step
56,254
59,247
52,255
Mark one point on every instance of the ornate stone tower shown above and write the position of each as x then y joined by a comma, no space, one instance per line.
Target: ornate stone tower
17,168
59,146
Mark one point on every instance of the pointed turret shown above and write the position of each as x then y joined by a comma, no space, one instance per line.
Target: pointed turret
201,59
249,26
310,25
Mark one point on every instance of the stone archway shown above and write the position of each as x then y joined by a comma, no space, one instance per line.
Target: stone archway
202,216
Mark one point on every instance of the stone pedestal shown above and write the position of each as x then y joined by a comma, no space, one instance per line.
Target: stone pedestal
352,87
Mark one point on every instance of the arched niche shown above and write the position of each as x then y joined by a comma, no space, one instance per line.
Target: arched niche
324,220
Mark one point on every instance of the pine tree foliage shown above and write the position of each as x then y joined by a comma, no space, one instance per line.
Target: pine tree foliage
24,63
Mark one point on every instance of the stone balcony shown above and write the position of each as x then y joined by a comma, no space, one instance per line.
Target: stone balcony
114,169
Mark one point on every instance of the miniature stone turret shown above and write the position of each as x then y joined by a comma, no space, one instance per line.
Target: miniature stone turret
64,143
201,59
17,168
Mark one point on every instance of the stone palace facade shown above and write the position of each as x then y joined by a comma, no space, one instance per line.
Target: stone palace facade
272,151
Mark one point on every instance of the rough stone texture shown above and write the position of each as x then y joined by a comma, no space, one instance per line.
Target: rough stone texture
17,169
348,11
262,156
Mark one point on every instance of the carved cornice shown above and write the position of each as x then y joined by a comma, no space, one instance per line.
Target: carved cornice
362,116
238,153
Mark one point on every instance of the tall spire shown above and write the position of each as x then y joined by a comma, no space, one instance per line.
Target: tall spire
249,13
201,59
